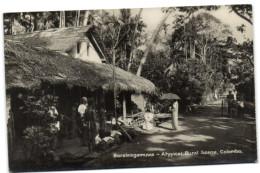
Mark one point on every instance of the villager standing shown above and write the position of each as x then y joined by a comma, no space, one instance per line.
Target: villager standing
83,106
74,120
81,110
175,108
241,106
55,126
91,128
235,95
102,117
230,100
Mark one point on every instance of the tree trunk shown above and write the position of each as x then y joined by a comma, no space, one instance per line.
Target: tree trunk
114,84
150,43
62,19
133,40
185,44
11,28
35,21
77,18
192,50
203,55
85,20
84,44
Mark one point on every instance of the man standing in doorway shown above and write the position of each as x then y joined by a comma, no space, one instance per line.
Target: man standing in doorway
81,110
83,106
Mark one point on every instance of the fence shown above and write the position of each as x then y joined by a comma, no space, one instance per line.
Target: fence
233,108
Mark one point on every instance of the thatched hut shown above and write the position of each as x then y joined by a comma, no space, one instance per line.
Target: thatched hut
79,42
30,67
27,67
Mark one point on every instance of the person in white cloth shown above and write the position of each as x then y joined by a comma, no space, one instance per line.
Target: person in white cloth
175,123
54,114
81,110
83,106
55,127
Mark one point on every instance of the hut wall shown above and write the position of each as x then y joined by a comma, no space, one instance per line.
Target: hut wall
139,100
10,123
8,105
20,119
85,51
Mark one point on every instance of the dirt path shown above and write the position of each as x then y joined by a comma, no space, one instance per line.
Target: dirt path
204,138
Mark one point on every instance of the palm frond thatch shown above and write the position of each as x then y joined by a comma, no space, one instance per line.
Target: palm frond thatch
28,67
58,39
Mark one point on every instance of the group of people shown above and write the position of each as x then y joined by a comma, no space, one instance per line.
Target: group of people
85,123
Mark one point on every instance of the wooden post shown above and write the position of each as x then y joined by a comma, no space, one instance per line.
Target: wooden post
175,122
124,108
222,107
102,110
10,123
114,84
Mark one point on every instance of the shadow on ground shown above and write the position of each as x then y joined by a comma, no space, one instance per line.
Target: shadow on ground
233,140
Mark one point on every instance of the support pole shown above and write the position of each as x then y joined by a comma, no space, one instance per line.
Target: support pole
124,108
222,107
114,84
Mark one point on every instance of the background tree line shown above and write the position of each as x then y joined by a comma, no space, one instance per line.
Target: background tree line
195,57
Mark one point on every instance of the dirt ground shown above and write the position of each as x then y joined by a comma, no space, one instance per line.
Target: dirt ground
205,137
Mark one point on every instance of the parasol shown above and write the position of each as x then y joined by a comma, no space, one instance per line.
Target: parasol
169,96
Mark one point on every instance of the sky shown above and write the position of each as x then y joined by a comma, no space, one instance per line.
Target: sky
152,16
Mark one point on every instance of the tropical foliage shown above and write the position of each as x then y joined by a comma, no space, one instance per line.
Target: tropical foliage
196,56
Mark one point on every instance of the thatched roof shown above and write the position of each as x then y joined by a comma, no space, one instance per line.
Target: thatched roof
27,67
61,39
58,39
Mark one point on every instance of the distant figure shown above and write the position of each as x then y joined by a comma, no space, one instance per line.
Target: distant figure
241,106
230,99
91,128
175,108
235,95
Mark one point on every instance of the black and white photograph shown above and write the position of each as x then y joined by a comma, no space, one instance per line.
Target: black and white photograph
129,87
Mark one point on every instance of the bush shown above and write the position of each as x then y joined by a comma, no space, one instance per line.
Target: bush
38,147
40,135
